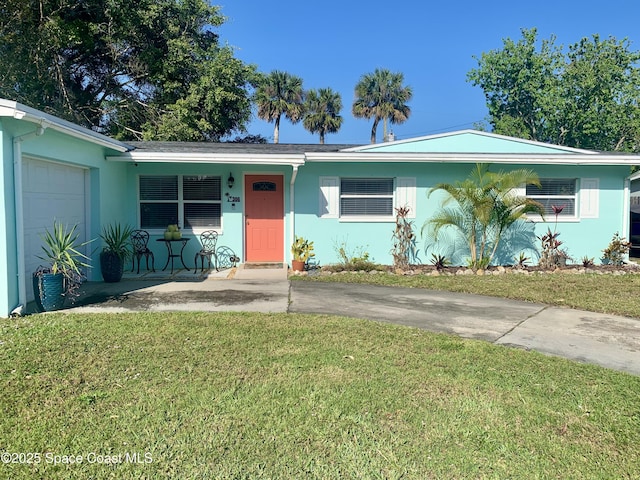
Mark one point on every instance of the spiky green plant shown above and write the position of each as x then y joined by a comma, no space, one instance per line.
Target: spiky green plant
116,239
486,207
61,251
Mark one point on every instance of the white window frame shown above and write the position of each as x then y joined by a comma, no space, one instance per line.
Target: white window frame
329,200
562,217
385,196
180,201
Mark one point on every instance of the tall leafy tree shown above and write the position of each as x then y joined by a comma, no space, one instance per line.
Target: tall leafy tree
485,206
586,97
120,66
601,96
520,83
381,95
215,104
280,93
322,112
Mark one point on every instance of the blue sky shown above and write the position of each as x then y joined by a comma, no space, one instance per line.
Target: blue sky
333,43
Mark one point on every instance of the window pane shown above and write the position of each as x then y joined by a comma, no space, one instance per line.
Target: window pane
158,215
202,215
264,187
568,204
158,187
558,186
201,187
381,207
366,186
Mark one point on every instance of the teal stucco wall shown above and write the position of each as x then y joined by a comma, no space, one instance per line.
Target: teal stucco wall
581,236
231,234
105,202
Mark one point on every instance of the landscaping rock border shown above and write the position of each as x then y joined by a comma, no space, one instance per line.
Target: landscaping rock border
626,269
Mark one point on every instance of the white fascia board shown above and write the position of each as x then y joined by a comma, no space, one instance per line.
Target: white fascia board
507,158
213,158
15,110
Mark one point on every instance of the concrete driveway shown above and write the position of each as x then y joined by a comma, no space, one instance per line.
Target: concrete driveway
606,340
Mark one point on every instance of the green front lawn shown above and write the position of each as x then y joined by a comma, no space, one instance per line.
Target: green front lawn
205,395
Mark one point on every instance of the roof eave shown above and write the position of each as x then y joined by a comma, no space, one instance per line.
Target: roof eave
506,158
211,158
18,111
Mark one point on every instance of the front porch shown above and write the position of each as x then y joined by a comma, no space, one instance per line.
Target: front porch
244,287
256,270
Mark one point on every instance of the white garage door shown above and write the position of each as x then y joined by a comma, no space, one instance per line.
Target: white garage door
50,191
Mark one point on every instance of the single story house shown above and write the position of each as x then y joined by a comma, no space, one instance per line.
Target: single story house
258,197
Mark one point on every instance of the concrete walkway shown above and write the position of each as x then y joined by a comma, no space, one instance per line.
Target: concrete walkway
610,341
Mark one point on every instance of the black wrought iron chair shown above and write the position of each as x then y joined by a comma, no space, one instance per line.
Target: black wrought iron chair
140,244
208,240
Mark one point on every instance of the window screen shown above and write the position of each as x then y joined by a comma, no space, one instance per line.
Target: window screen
555,192
366,197
196,204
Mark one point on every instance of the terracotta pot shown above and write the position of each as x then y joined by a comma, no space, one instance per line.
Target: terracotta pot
297,265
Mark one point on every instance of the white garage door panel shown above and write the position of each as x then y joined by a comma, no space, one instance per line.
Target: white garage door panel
50,191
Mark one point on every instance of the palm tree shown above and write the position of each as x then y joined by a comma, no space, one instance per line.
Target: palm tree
280,93
322,112
487,206
381,96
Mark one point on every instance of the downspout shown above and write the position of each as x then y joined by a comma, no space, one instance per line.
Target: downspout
626,212
17,188
292,214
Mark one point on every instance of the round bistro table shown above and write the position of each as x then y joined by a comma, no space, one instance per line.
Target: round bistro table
169,244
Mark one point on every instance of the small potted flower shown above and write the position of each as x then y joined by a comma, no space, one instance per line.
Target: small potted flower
301,251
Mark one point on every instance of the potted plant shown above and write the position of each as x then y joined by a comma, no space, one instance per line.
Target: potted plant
302,251
116,252
60,279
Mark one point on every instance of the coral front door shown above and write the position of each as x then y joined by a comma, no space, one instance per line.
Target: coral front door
264,218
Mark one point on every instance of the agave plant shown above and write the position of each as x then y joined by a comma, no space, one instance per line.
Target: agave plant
116,239
61,252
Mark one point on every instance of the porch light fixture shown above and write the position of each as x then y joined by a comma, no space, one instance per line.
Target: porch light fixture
231,180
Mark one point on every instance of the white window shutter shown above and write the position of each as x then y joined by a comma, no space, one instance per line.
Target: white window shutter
589,197
406,194
329,201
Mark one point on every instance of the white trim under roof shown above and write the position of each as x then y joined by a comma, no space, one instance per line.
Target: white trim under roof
591,158
375,157
18,111
225,158
373,146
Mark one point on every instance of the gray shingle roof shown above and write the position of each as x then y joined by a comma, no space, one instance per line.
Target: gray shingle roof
236,148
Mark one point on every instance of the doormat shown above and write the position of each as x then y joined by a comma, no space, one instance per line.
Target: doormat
257,265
